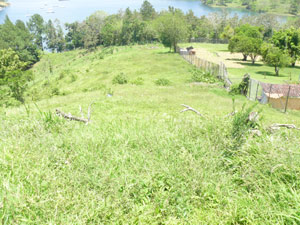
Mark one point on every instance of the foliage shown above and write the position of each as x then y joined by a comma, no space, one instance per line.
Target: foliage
18,38
120,79
54,36
241,88
162,82
172,28
202,76
241,125
247,40
288,40
37,28
275,57
138,81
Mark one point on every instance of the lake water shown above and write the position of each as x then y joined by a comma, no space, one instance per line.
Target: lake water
72,10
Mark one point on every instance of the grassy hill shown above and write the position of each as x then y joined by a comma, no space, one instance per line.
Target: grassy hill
140,161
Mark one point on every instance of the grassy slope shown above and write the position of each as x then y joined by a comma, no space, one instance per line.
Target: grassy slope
259,71
140,161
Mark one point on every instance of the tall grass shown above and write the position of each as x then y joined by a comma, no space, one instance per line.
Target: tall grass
140,161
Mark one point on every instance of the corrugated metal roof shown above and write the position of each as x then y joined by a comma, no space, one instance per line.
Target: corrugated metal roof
282,89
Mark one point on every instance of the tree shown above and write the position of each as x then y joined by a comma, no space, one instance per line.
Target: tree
247,40
18,38
54,36
147,11
288,40
172,28
294,7
75,35
11,74
51,36
92,27
112,29
37,28
274,56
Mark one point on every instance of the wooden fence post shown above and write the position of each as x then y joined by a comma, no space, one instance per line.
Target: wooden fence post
270,93
287,99
257,91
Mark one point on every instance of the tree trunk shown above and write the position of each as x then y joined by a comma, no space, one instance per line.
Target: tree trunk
175,47
245,57
293,64
277,71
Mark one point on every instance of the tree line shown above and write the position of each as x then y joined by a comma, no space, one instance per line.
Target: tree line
22,44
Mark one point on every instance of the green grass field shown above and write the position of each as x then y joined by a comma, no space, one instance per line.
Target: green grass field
140,161
258,71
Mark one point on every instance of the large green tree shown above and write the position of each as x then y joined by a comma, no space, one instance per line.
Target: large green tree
274,56
247,40
12,75
288,40
37,28
172,28
18,38
147,11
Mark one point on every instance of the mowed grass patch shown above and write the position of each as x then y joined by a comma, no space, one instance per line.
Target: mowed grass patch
141,161
239,68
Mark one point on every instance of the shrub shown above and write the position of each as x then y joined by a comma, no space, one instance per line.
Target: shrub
241,124
73,78
120,79
55,91
202,76
138,81
241,88
162,82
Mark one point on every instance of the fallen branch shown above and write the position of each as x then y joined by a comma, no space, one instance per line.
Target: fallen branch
288,126
70,117
188,108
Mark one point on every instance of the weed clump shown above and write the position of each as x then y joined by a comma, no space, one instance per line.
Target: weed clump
120,79
163,82
242,123
202,76
138,81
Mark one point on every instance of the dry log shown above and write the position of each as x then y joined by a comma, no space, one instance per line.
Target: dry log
188,108
70,117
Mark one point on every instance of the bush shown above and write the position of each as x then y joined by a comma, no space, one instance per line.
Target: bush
241,88
55,91
73,78
201,76
138,81
235,89
120,79
162,82
241,124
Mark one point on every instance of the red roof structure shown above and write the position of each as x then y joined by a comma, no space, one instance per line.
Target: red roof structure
282,89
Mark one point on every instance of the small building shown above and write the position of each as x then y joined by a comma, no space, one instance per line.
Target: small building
281,95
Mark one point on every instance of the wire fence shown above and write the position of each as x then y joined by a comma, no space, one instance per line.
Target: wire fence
218,70
209,40
279,96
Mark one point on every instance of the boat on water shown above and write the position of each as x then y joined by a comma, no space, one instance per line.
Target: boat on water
50,11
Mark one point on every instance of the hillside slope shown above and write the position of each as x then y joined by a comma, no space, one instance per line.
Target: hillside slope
140,161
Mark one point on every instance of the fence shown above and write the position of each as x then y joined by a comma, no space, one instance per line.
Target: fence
218,70
209,40
279,96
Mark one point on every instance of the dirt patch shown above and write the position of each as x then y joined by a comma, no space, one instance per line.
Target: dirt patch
231,60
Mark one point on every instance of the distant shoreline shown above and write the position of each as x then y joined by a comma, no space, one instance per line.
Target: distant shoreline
4,4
